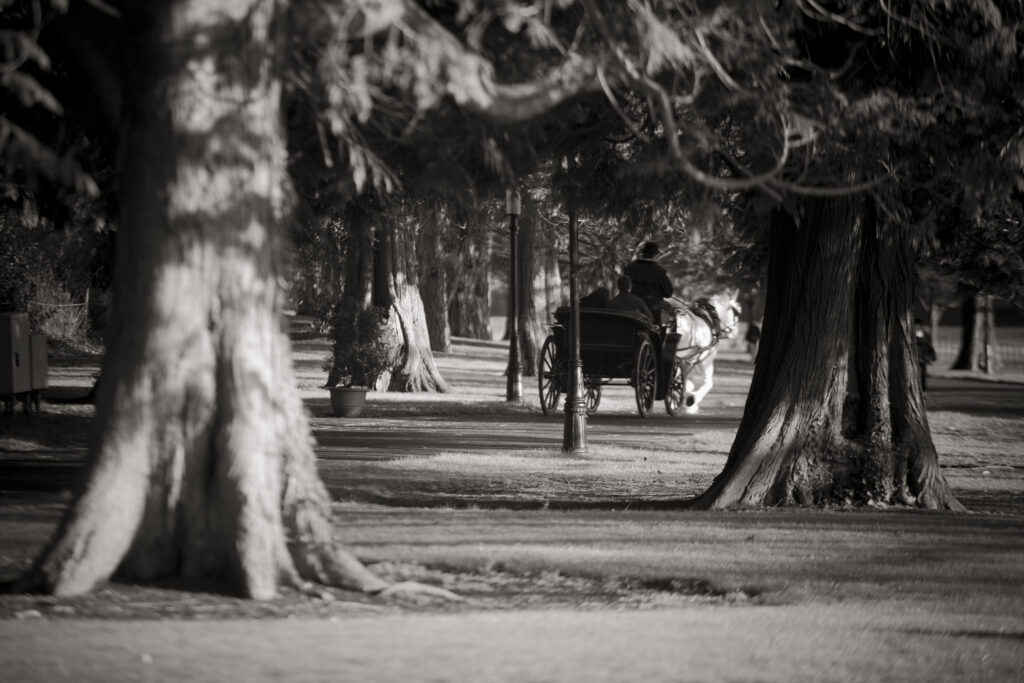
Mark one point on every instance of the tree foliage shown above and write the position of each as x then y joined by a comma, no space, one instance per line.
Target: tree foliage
30,120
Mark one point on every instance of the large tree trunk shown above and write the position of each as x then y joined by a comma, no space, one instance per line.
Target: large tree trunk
469,307
202,465
363,283
977,336
382,271
416,369
547,284
886,414
531,320
434,278
802,439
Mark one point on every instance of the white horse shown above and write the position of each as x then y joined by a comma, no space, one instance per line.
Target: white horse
698,342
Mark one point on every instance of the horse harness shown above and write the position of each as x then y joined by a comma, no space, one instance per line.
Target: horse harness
704,310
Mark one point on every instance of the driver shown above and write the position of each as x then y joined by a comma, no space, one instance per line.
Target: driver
650,281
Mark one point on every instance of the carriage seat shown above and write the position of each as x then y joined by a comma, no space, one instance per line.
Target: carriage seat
606,327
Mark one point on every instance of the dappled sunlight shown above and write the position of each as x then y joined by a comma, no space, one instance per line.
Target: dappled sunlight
483,473
599,460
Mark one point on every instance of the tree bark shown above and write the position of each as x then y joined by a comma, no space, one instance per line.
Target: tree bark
202,464
382,271
899,462
416,369
531,323
547,284
434,279
469,275
835,413
977,336
362,284
967,358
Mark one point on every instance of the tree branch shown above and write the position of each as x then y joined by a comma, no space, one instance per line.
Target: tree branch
467,76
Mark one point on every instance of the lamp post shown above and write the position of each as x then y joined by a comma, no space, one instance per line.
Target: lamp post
574,435
514,387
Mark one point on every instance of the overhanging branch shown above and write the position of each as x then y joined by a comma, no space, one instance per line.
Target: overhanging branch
470,76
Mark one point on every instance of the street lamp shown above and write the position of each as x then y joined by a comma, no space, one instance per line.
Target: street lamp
514,388
574,433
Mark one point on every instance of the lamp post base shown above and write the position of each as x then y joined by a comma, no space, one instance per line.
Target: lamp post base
574,435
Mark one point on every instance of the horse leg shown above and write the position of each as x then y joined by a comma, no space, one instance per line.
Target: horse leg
698,384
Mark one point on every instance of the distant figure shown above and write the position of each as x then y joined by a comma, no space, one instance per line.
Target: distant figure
650,281
925,351
625,301
596,299
753,340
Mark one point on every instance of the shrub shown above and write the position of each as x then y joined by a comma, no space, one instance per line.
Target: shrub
360,354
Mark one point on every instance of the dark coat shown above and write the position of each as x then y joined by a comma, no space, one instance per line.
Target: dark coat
650,281
624,301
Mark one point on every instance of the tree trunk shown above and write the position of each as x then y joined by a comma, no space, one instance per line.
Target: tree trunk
434,279
886,412
362,283
416,369
531,323
977,336
469,307
802,438
970,334
549,277
382,271
202,465
547,285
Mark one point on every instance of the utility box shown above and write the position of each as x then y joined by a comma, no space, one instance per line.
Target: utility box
15,354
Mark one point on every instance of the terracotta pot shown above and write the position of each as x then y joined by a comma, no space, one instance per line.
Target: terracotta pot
347,401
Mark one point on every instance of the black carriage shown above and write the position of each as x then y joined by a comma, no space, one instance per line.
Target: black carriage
616,347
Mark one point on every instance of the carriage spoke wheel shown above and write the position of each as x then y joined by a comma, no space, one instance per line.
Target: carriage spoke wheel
549,379
646,374
592,393
676,388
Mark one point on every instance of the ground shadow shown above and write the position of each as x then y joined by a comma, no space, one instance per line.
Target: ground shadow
974,397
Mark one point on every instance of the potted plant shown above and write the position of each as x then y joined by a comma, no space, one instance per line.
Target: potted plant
359,358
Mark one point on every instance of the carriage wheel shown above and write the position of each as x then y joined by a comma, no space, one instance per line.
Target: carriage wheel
592,393
646,377
676,388
549,379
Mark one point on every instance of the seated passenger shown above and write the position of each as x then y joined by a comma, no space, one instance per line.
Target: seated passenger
650,281
624,301
596,299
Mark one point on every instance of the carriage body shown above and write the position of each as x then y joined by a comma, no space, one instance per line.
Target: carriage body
616,347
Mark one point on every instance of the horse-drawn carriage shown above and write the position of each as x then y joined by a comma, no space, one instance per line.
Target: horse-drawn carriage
622,347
